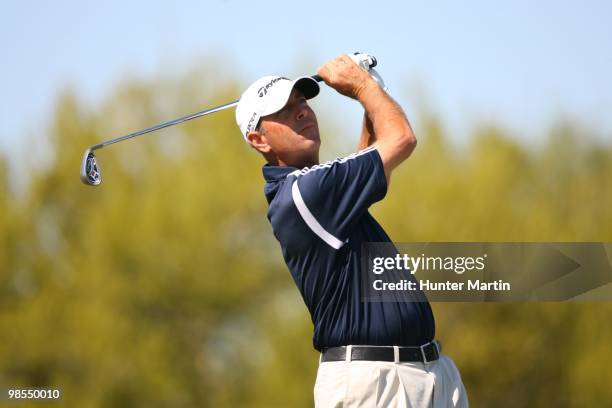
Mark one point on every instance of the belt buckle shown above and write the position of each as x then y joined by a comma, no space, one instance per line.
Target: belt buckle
422,348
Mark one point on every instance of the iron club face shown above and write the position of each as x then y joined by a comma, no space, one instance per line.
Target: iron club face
90,172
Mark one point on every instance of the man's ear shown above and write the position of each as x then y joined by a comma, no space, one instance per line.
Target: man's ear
259,141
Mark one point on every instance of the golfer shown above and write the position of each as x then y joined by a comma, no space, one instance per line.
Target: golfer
373,354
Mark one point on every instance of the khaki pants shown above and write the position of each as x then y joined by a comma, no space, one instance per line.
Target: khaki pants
387,384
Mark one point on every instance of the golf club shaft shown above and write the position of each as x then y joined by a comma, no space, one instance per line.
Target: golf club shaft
90,171
176,121
166,124
369,61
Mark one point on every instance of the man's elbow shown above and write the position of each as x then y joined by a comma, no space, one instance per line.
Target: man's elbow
396,148
407,143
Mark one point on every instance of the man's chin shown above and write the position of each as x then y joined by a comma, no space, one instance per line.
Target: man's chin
311,151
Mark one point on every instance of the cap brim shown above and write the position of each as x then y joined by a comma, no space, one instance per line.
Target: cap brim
306,85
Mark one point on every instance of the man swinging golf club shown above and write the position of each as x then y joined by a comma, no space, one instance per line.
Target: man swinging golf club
373,354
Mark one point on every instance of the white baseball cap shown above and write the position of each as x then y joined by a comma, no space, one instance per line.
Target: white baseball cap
268,95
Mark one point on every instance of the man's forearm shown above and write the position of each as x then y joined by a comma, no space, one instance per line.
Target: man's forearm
389,130
368,137
383,117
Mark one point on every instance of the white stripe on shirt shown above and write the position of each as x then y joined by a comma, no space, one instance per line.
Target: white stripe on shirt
306,170
311,221
307,216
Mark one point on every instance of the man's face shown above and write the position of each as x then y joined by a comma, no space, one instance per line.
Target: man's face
291,136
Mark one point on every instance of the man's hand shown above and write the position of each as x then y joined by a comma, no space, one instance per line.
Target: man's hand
346,77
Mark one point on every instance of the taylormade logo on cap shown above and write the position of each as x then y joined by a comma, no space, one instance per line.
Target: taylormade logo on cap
264,89
252,123
268,95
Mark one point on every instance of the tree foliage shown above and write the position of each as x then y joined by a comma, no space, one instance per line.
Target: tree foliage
165,286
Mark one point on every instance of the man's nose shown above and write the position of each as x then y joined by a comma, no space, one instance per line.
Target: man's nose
303,112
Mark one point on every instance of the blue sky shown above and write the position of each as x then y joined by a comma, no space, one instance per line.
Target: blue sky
520,63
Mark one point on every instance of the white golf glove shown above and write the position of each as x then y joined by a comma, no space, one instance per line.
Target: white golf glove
365,61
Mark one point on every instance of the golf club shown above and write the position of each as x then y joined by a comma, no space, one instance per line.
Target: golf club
90,170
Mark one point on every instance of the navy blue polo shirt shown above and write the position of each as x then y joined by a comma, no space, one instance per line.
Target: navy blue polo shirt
320,217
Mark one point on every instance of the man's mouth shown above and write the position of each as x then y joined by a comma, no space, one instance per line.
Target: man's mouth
308,126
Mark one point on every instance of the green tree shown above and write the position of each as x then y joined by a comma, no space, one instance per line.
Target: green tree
165,286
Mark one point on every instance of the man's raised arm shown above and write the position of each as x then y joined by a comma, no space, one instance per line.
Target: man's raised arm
389,129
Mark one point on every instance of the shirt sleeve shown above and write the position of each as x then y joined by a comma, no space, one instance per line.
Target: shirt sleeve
333,196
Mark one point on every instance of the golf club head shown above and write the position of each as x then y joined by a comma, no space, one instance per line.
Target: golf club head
90,172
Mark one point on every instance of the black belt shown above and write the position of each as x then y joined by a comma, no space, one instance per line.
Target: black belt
424,354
